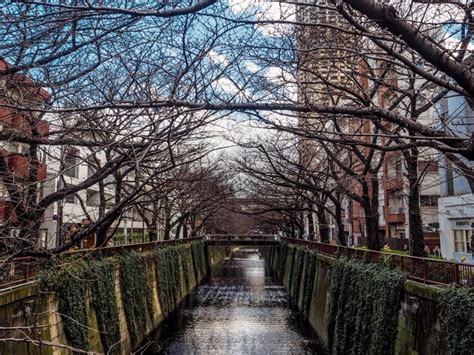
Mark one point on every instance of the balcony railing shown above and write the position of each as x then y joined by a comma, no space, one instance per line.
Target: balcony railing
20,166
426,270
395,209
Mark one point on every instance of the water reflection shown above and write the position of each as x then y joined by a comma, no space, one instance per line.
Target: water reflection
240,310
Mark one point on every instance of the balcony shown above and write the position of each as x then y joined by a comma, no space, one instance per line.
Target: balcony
42,128
19,165
5,115
395,214
7,212
18,123
395,183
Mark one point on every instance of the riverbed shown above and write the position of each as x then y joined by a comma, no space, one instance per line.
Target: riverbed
240,309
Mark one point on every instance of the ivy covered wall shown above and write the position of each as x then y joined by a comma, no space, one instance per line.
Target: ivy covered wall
358,307
362,315
110,304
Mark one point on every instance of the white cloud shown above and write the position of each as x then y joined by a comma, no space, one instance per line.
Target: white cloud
252,67
240,6
266,11
227,86
283,79
217,58
276,11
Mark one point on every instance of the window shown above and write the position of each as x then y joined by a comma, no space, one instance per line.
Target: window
462,242
429,200
71,167
69,198
92,198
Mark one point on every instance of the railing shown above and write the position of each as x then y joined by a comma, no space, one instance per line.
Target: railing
395,209
242,237
18,271
426,270
21,270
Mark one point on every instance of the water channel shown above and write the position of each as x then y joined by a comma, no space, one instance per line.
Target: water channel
239,310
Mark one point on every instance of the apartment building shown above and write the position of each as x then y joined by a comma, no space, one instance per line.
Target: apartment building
456,206
69,165
23,169
328,59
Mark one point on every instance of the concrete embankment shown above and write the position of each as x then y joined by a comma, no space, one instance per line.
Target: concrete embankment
119,301
407,312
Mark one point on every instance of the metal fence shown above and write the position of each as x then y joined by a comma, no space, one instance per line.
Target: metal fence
242,237
426,270
20,270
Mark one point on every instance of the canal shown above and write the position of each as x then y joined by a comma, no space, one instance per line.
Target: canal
239,310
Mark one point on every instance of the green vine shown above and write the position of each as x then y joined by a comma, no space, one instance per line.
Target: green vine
290,256
199,259
296,274
185,264
136,294
70,286
301,276
355,322
102,273
282,259
308,281
457,316
167,268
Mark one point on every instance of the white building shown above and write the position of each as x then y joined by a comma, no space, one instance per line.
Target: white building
456,217
456,208
71,166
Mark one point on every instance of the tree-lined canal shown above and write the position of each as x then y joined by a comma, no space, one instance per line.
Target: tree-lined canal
239,310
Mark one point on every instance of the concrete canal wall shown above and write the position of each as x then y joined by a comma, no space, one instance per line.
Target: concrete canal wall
36,312
418,328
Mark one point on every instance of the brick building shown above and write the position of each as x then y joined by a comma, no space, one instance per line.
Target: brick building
22,168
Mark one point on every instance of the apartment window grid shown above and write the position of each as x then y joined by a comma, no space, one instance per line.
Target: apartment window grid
463,234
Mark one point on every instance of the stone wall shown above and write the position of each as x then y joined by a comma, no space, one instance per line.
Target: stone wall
419,330
27,313
216,253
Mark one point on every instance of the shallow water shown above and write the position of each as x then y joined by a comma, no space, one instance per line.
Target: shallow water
240,310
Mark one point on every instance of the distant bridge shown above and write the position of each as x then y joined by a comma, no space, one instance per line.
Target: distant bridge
242,239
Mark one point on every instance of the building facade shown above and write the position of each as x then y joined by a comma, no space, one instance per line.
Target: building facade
23,168
456,206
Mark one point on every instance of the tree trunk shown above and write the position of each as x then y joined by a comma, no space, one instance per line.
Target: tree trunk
415,222
371,210
101,236
341,236
185,231
323,224
310,226
152,235
178,231
167,220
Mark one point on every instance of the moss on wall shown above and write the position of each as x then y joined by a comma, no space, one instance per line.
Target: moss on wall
363,309
105,303
71,285
372,309
457,306
136,291
86,292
